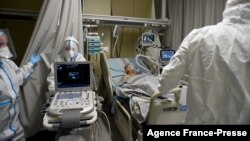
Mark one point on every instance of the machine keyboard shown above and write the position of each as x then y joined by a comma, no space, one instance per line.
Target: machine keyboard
72,100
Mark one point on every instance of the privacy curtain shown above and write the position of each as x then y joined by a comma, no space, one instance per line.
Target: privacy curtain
57,20
190,14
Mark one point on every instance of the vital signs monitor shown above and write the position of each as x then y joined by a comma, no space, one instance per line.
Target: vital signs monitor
166,55
148,39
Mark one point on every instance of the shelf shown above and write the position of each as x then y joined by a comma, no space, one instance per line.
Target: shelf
88,19
105,20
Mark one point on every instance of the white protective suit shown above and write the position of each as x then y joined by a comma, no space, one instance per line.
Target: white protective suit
67,56
217,60
11,78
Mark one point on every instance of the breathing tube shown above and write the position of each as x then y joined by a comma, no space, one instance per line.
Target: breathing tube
139,62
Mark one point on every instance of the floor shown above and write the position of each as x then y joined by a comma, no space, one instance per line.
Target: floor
98,131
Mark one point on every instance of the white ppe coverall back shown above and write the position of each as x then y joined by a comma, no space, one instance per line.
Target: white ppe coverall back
11,77
217,60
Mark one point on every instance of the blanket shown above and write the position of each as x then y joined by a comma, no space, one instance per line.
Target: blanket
139,89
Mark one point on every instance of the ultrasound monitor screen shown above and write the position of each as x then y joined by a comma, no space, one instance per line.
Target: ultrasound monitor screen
166,55
73,75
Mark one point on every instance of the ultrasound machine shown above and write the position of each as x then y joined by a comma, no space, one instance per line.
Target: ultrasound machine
74,103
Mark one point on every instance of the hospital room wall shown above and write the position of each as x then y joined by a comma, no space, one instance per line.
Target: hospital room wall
129,8
20,30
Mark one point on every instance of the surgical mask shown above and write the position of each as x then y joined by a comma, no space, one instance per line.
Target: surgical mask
5,52
69,55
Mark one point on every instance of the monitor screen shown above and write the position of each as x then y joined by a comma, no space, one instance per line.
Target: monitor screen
166,54
148,39
74,76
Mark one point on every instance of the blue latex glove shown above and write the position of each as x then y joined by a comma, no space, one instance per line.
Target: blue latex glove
35,59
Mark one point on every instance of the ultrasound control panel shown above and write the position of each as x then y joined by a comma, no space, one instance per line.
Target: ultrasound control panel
82,100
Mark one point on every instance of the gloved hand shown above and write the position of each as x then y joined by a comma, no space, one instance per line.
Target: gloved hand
35,59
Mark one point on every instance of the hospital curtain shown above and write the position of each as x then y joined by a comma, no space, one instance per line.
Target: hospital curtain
187,15
57,20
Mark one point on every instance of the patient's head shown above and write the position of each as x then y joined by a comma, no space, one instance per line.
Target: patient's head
129,69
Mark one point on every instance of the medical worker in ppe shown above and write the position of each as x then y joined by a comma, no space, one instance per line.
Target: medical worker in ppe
11,77
217,60
70,54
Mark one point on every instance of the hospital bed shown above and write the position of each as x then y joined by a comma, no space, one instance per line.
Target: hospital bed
159,111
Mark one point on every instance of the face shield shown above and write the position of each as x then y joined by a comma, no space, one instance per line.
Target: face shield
71,48
7,49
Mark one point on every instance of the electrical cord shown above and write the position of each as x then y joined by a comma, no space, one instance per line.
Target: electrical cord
109,127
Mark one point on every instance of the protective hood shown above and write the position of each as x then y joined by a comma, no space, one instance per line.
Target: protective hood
71,42
71,48
237,11
7,49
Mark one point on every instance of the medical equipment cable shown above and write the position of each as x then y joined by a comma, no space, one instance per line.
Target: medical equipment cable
157,60
120,47
151,59
115,34
109,127
99,104
94,131
137,62
93,128
113,52
97,131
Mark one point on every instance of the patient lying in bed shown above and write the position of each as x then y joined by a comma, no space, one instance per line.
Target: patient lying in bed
139,87
130,72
